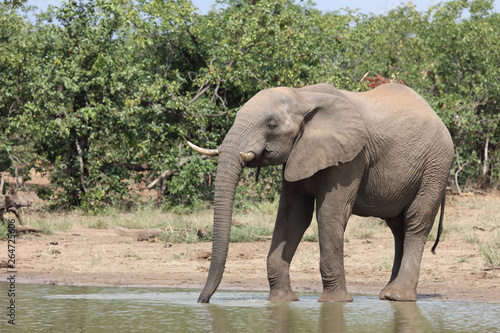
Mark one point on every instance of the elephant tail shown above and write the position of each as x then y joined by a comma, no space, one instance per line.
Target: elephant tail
440,226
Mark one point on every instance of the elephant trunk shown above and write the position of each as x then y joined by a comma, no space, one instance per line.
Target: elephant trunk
229,170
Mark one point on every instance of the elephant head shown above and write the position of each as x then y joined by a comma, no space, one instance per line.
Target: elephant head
307,130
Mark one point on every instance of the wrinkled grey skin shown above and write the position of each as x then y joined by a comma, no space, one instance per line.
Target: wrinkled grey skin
382,153
11,202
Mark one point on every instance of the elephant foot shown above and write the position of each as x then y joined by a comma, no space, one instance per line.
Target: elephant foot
393,293
283,296
339,296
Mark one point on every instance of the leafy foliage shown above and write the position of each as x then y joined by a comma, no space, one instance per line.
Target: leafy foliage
447,54
103,94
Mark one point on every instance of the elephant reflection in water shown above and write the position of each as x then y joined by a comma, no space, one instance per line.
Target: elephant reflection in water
281,317
284,317
331,318
408,318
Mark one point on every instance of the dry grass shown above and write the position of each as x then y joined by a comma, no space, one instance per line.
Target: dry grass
256,224
472,220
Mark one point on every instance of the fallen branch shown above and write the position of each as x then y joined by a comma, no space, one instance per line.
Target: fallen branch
139,234
479,192
482,229
491,268
145,234
25,228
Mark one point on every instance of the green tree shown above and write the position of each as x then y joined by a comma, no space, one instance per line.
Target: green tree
80,72
216,62
103,94
14,29
447,54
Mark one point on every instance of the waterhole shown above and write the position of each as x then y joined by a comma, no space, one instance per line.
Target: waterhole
129,309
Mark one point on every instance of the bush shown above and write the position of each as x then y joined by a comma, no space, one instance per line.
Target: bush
102,95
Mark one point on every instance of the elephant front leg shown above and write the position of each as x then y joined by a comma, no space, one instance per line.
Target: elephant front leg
294,217
331,242
334,204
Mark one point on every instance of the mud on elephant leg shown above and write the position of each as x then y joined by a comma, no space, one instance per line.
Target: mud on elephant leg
294,217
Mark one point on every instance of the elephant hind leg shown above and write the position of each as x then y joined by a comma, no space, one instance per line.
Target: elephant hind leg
409,242
396,225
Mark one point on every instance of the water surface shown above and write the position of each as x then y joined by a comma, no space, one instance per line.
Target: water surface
125,309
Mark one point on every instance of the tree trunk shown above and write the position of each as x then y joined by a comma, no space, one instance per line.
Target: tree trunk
2,182
485,162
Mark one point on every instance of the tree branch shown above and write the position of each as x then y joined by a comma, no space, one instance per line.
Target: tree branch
195,42
137,167
11,109
200,92
129,166
16,162
460,168
217,114
169,173
155,105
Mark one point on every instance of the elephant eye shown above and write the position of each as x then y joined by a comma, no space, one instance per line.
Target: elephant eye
272,126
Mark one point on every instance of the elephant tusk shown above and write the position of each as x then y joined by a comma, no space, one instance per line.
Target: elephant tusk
247,157
203,151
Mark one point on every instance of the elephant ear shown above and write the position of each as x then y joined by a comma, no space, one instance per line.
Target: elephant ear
332,132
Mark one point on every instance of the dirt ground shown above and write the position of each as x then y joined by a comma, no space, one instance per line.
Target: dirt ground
102,257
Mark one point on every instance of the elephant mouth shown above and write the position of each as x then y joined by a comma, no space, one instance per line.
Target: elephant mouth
254,163
267,157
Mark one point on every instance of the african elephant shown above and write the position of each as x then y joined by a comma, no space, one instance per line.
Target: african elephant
382,153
